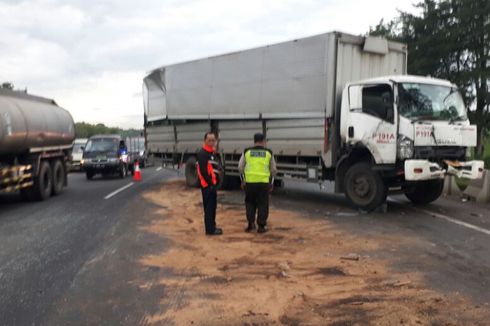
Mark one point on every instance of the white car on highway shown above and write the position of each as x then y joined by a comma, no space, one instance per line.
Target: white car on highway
77,153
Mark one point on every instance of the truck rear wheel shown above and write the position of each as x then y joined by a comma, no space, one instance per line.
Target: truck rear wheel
58,177
364,187
424,192
89,175
43,183
191,177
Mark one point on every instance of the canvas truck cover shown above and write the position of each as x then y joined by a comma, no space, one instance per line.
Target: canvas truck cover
297,79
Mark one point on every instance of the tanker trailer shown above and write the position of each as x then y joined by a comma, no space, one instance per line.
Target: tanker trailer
36,137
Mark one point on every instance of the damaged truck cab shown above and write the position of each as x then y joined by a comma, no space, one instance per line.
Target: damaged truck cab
402,132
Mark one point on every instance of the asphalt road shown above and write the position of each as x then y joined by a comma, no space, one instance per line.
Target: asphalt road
71,259
449,239
44,245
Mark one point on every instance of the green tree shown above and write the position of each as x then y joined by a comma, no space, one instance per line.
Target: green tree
87,130
450,39
7,85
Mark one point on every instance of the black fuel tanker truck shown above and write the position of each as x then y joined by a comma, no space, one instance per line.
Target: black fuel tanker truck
36,137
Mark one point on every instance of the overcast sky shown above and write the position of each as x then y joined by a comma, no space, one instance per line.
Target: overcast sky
91,55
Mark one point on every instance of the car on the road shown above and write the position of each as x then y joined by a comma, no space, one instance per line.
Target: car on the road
106,155
77,154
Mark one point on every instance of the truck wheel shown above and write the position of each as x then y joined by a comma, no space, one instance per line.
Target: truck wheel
424,192
191,177
89,175
364,187
58,177
43,183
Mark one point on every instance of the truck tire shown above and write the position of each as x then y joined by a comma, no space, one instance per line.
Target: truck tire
58,177
89,175
191,177
424,192
43,182
364,187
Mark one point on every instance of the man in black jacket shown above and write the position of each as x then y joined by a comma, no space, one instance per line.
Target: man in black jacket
207,169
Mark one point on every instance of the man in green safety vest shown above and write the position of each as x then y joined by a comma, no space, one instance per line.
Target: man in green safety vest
257,167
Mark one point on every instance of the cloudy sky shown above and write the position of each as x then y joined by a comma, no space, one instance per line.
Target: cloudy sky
91,55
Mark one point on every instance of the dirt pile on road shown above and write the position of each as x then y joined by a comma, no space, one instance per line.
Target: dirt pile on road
303,272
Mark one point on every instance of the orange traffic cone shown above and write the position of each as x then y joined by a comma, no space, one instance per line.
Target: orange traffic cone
137,172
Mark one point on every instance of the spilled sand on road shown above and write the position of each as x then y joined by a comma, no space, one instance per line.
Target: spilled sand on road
296,274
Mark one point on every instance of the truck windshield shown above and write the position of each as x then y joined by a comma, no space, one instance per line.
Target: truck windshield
430,102
102,145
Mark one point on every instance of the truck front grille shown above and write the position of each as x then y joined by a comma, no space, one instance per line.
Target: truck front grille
439,153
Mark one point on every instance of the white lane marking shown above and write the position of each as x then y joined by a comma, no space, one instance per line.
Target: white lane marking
119,190
444,217
159,168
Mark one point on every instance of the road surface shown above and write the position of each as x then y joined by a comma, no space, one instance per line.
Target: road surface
71,259
46,245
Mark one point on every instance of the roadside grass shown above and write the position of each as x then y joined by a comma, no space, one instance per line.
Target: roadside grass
462,183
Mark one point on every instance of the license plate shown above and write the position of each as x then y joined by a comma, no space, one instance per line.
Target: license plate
100,166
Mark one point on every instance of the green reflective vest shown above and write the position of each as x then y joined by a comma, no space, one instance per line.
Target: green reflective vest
257,165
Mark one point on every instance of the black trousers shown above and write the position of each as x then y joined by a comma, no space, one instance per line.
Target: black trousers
257,202
209,200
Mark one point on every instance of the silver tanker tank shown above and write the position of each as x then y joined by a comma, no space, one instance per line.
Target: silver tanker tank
30,123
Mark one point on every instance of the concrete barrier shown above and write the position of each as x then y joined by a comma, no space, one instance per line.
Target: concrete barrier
479,190
450,186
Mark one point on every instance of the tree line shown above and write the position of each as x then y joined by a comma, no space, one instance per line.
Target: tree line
87,130
450,39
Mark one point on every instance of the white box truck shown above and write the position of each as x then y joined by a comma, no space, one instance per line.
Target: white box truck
333,107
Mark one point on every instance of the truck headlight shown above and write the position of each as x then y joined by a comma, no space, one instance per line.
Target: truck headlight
404,148
82,161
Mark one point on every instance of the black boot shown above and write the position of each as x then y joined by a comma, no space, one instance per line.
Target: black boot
250,227
216,231
262,229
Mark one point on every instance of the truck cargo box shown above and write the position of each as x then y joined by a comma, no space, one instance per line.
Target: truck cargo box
296,79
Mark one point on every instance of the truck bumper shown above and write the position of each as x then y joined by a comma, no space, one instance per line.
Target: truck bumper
418,170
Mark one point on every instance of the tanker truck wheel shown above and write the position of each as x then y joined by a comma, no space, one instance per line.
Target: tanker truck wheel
43,183
364,187
191,177
58,177
424,192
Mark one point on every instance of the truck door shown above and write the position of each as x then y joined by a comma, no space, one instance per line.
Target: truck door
371,120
